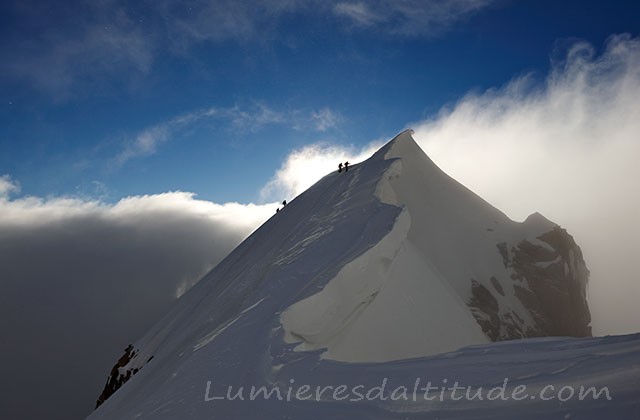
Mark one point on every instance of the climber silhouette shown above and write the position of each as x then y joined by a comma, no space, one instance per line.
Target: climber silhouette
346,166
284,203
340,167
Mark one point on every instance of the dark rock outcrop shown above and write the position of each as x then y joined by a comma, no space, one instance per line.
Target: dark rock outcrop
485,309
554,284
120,374
549,278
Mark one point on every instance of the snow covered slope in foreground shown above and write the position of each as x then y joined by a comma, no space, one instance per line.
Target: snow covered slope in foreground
390,261
528,379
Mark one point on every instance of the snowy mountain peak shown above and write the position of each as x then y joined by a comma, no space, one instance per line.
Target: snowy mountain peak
402,145
391,260
402,139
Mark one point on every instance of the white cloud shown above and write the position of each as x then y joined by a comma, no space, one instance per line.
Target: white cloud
410,17
107,44
221,20
148,140
69,57
85,278
256,117
211,20
7,186
325,119
158,214
304,167
242,119
144,144
358,12
568,149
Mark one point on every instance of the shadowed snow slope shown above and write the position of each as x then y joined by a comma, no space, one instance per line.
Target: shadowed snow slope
388,261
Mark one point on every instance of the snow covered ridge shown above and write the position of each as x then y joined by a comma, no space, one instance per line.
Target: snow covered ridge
389,261
452,267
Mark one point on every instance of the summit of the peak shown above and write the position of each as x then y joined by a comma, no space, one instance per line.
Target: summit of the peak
405,147
403,137
404,134
401,146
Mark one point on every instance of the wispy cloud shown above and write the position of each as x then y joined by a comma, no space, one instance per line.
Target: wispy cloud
8,186
325,119
409,17
567,148
244,119
244,20
256,117
222,20
97,42
358,12
110,43
147,141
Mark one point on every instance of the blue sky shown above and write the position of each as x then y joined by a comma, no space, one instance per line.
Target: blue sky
82,81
